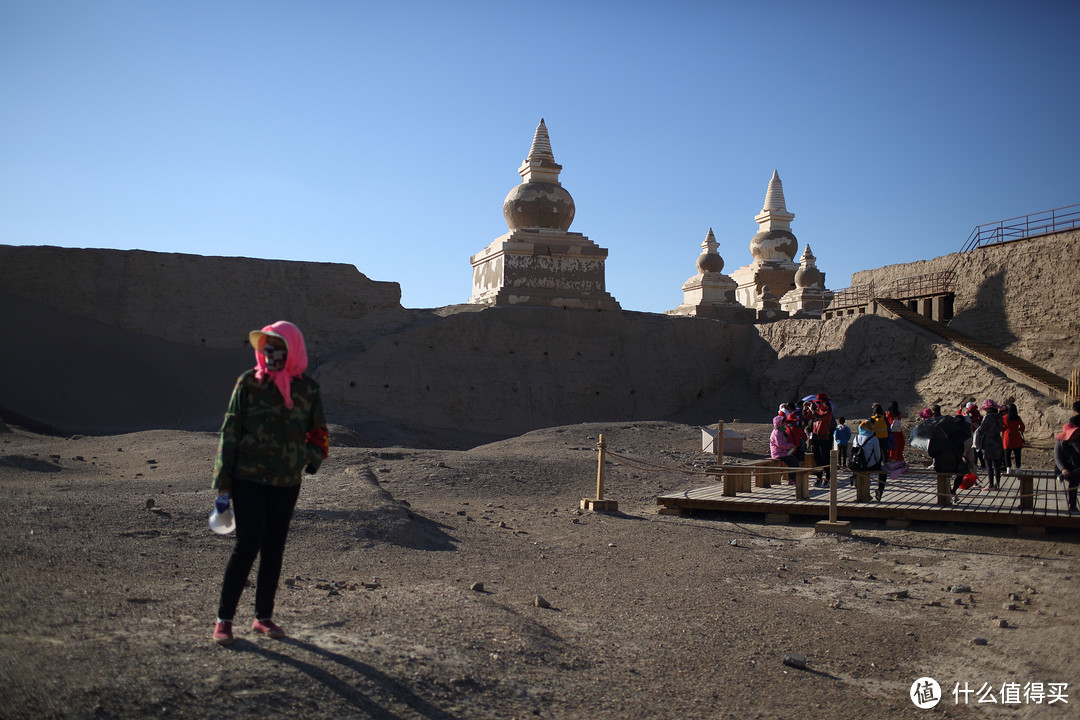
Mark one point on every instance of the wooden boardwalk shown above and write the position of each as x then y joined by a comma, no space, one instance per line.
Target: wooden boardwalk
911,496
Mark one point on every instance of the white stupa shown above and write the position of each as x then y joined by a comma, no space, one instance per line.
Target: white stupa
710,293
773,249
539,262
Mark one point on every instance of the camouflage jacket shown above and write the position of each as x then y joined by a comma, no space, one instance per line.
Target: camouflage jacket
263,441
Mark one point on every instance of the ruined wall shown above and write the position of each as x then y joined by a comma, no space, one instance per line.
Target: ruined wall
1019,296
204,301
113,340
510,370
866,359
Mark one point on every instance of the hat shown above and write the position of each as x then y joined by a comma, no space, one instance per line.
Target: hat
778,421
792,417
969,405
1068,432
989,405
258,337
822,397
926,413
866,427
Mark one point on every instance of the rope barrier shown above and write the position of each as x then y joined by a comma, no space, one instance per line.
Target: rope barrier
895,485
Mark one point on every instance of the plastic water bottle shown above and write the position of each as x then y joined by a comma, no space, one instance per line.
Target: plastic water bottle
221,520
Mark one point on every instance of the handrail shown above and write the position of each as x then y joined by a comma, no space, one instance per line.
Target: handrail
940,283
854,296
935,283
1025,226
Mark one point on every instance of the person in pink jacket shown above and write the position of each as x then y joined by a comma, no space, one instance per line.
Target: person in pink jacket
780,446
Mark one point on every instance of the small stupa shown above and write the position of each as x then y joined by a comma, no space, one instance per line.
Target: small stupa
773,249
710,293
809,297
539,262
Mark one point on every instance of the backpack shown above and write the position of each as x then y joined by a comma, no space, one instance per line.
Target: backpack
858,460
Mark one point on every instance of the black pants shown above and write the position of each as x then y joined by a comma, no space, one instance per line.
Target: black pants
822,448
841,455
1008,457
790,461
263,514
1074,482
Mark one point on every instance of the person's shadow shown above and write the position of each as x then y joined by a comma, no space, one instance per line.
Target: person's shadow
353,695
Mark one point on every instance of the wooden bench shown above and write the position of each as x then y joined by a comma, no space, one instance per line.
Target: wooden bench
862,486
1026,479
740,478
944,483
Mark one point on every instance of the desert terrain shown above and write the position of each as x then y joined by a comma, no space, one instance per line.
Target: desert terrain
427,583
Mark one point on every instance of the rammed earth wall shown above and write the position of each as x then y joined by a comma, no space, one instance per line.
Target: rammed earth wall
113,340
1020,296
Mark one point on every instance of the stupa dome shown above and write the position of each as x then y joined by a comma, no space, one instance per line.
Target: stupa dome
539,205
774,245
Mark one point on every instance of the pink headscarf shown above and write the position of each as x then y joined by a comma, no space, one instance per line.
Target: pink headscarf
295,361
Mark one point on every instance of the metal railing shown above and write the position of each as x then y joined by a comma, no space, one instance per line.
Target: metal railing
937,283
854,296
940,283
1019,228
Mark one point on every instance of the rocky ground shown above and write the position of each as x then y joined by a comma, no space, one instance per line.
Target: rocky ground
467,584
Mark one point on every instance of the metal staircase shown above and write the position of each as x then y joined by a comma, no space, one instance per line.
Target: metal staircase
1016,368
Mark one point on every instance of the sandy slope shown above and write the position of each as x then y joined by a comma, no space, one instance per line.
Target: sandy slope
106,604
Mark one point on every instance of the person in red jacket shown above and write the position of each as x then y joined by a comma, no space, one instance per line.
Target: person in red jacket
1012,437
821,431
893,417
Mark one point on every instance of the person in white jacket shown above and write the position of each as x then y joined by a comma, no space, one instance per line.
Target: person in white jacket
866,441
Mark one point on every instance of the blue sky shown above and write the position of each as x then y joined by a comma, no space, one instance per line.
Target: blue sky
386,135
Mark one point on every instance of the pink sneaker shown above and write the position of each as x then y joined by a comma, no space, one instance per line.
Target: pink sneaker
268,628
223,633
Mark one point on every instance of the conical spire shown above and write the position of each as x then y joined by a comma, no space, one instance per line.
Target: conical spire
541,144
540,165
775,215
774,196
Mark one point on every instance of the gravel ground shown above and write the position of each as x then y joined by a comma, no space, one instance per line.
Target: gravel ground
109,580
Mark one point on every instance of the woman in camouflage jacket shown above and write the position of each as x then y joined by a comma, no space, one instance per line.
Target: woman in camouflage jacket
274,431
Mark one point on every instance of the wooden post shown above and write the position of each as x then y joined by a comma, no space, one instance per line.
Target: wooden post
862,487
944,489
599,503
832,525
832,486
600,468
720,442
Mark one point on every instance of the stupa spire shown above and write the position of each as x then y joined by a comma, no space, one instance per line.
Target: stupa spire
774,214
541,144
540,165
774,196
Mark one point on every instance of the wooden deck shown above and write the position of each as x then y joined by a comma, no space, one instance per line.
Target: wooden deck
911,496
